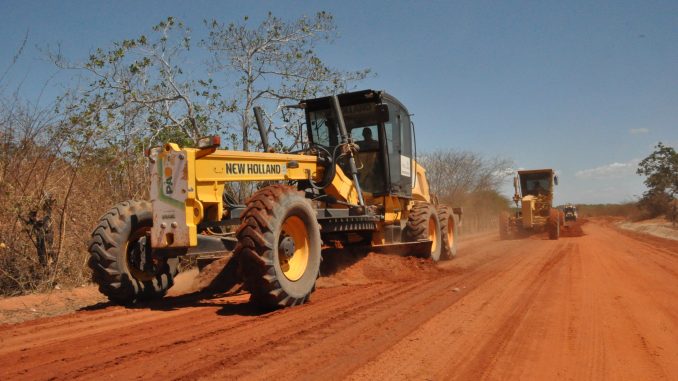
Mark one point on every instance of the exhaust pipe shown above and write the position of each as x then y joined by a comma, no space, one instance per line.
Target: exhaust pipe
262,129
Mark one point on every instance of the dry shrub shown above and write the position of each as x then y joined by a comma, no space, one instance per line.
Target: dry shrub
73,198
628,210
53,189
469,180
481,211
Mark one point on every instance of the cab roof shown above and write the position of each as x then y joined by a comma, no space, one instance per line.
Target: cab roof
535,171
352,98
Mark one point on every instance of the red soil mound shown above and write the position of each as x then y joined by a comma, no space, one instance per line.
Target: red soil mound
350,269
573,228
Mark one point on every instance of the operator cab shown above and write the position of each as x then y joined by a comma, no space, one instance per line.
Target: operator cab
537,182
380,126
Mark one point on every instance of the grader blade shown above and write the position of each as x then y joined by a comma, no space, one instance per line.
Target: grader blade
212,248
421,249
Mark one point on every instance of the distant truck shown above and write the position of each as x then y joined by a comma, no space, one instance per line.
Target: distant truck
570,212
534,212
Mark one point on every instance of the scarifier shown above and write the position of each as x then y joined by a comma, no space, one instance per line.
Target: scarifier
356,184
534,210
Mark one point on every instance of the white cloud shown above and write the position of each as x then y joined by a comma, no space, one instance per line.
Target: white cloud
613,170
638,131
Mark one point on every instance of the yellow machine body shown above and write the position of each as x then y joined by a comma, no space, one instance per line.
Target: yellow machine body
355,183
534,190
188,183
527,209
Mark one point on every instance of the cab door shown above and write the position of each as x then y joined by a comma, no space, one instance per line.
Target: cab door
398,135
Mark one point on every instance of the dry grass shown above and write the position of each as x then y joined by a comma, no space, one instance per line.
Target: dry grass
80,196
481,211
628,210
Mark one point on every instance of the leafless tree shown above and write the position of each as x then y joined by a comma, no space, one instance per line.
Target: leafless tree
272,64
452,174
469,180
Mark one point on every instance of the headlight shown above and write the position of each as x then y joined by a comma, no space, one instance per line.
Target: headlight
152,153
209,142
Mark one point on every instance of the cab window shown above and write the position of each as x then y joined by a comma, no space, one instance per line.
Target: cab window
369,160
322,128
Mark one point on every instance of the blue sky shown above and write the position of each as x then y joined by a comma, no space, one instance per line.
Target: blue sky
587,88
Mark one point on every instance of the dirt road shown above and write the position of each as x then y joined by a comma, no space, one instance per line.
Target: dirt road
600,306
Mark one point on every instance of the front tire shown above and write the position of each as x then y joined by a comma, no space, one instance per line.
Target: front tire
121,260
553,224
423,224
279,247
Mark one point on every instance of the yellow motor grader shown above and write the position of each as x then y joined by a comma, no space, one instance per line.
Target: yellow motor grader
356,184
534,211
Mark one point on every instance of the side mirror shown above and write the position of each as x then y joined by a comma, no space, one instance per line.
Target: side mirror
555,180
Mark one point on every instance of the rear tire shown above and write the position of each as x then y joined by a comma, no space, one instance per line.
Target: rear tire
120,259
450,230
279,247
423,224
553,224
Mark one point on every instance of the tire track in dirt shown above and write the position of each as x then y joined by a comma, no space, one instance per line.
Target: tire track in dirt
637,254
484,359
570,329
135,339
251,359
623,318
248,336
665,251
399,318
417,348
638,298
597,306
174,345
459,329
76,329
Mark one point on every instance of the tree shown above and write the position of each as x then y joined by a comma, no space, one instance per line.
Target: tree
661,171
453,174
64,162
469,180
136,94
272,64
139,87
148,90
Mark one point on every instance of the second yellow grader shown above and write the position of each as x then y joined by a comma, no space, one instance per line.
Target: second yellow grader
534,210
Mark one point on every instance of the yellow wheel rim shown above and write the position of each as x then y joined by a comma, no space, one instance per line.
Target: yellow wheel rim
294,267
433,234
450,231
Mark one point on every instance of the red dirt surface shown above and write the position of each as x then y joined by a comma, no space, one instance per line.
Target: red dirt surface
600,306
573,228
